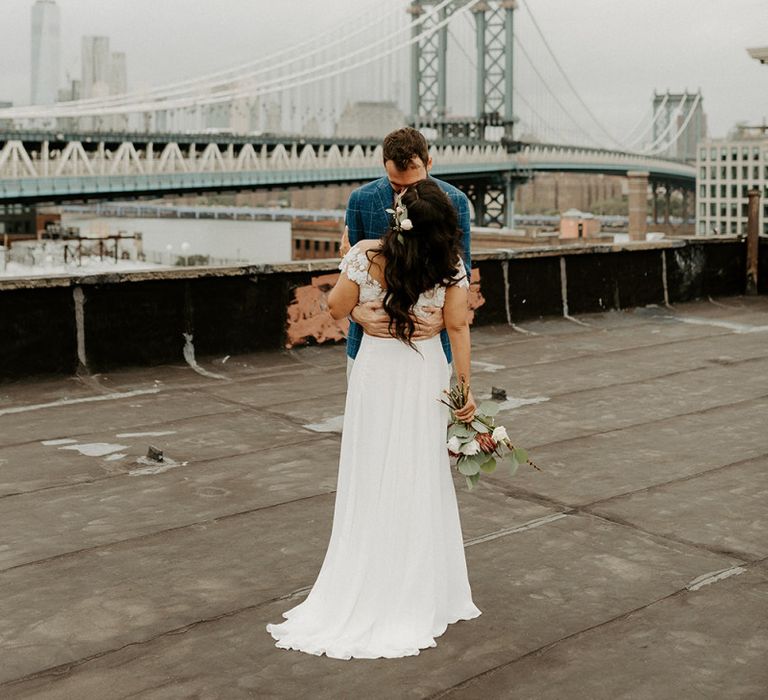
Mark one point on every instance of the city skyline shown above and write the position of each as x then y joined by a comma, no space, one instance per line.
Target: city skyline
696,48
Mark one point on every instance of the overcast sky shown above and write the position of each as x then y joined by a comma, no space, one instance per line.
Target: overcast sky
616,52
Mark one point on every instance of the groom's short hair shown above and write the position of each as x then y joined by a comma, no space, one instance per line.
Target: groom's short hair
402,145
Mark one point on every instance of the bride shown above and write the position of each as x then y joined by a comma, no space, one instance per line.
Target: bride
394,575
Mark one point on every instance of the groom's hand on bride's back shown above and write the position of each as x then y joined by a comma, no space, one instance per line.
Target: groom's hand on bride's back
372,317
375,321
430,325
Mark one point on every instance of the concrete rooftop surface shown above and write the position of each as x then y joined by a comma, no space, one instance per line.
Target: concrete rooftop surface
633,566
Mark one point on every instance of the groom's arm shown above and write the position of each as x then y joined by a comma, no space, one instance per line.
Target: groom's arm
370,315
353,220
462,208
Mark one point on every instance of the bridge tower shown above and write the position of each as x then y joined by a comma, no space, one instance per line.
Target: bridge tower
492,196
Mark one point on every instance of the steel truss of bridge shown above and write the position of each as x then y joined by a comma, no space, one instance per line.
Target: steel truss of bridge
38,167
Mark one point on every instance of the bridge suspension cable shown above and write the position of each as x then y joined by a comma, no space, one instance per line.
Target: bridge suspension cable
472,61
193,96
567,79
337,35
649,125
681,129
546,85
669,126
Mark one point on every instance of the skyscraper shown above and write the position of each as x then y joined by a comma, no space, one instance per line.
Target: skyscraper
45,52
118,74
97,66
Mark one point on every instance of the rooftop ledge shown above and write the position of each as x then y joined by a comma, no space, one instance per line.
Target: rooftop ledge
331,264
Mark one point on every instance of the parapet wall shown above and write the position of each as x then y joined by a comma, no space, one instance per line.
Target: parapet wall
100,322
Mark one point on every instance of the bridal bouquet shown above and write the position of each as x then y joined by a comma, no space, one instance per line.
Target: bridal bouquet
478,447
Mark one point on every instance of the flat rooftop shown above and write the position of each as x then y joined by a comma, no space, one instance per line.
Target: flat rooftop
633,566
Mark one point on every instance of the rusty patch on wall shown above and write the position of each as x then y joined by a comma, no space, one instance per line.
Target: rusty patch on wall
308,317
309,320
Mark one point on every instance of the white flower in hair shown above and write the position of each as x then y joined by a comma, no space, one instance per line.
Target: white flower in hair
401,222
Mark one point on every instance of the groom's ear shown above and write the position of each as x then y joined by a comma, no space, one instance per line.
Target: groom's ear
429,163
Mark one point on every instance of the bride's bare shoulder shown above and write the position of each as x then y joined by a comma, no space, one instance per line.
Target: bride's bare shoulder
369,244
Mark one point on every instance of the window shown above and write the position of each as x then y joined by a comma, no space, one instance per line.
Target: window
723,172
306,244
734,191
713,153
327,246
734,227
734,210
744,170
713,190
745,153
702,209
723,191
723,154
297,244
756,172
317,246
712,209
755,153
712,171
734,172
703,153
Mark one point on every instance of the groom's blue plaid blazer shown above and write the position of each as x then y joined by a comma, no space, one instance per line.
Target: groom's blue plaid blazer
367,218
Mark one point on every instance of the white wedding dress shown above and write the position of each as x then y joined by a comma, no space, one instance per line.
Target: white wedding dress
394,575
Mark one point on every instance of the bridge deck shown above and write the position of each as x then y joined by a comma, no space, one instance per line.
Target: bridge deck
598,577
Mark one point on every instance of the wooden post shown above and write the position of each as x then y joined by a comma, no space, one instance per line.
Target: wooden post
753,219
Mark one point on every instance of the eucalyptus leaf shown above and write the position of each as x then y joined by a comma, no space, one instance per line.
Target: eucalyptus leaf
489,466
513,465
458,430
472,481
479,427
468,466
521,455
488,408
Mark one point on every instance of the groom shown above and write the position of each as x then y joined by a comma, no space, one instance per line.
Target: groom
406,162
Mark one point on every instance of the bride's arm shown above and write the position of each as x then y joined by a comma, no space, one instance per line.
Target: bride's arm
343,297
456,316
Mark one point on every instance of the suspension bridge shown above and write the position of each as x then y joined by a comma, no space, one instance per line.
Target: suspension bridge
470,73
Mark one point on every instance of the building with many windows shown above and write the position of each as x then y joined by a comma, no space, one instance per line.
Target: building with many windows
726,169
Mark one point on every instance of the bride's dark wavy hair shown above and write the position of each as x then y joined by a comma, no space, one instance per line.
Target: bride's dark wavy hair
421,258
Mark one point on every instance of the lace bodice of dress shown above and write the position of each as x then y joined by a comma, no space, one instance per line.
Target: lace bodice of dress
356,266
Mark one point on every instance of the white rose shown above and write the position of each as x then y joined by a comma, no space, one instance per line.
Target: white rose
453,444
471,448
406,224
500,434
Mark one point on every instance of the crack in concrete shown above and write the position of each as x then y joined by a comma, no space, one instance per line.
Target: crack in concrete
544,648
165,531
697,412
741,557
663,484
67,668
190,464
